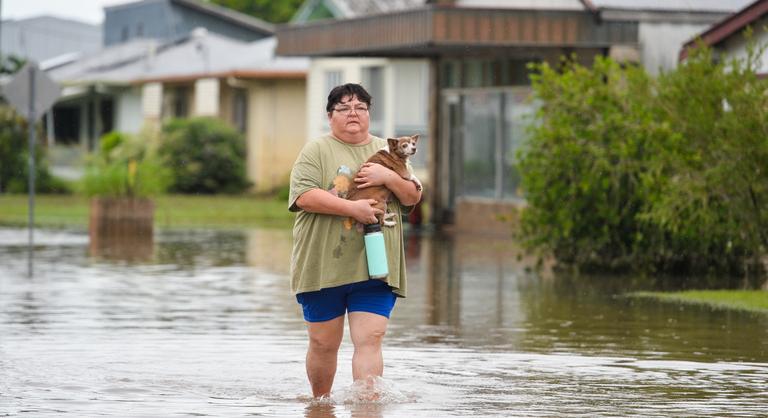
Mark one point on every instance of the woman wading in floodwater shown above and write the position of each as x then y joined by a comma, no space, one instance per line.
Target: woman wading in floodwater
328,268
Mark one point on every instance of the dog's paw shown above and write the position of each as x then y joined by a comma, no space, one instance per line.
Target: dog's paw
389,219
417,182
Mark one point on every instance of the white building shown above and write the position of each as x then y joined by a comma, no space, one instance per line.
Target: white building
728,39
44,37
455,72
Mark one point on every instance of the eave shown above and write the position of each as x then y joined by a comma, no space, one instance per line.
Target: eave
439,30
727,27
242,74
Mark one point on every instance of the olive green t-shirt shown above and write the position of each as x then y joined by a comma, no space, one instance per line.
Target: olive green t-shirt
329,250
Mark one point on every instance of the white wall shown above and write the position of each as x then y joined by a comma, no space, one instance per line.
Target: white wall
317,91
736,47
405,101
660,43
152,101
406,86
206,97
129,115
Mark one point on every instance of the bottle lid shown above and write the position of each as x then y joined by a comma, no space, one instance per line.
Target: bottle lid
370,228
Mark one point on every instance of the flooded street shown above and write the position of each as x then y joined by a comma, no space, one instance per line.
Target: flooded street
202,323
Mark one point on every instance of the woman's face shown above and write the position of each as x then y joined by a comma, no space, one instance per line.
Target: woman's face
349,119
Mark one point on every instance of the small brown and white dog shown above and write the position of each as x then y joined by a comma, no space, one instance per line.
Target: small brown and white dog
394,156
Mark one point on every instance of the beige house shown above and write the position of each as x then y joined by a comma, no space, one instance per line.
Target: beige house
204,74
262,96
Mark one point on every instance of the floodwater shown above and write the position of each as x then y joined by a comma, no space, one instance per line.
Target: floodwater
201,323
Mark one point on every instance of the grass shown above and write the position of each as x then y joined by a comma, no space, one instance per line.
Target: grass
749,300
171,211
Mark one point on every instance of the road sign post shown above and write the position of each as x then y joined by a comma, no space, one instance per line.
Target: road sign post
31,92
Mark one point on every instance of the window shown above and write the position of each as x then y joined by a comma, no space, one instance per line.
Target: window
479,72
140,30
66,124
332,79
482,129
373,81
124,34
240,109
492,126
176,102
181,102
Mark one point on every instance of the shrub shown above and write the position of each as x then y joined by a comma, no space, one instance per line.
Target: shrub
582,168
713,182
14,158
625,172
125,166
205,155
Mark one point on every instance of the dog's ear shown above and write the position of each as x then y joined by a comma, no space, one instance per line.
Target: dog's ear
392,144
415,138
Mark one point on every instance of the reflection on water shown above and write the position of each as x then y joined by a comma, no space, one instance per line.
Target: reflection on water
205,325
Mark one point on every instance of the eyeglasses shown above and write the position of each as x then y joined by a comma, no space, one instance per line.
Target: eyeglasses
348,110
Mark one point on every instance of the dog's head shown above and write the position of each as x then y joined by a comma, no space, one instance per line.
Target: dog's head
404,146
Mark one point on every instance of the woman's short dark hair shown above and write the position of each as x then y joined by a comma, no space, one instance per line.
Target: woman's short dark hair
344,90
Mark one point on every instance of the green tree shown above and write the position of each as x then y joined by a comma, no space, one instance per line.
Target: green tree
268,10
10,64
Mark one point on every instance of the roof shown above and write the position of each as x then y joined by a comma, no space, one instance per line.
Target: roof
228,14
434,30
232,16
348,9
202,54
727,6
357,8
729,26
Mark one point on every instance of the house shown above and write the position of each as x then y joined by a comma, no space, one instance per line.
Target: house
128,85
167,20
44,37
477,88
727,37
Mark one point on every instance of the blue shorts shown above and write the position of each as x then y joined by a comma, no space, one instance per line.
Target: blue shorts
374,296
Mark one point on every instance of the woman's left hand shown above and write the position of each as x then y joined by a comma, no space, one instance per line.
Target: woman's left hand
372,174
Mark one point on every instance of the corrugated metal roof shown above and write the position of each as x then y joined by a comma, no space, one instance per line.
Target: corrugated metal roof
678,5
214,10
197,55
357,8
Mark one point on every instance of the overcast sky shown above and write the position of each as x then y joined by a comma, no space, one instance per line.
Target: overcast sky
90,11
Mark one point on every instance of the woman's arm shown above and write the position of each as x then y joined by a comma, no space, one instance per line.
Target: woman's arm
323,202
372,174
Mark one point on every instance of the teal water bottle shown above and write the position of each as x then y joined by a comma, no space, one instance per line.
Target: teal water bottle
375,252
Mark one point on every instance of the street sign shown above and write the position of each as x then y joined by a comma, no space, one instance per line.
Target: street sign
17,91
31,92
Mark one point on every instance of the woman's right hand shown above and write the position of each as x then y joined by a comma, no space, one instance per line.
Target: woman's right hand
364,211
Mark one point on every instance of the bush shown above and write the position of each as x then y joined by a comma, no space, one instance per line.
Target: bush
582,169
125,166
205,155
712,178
625,172
14,156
